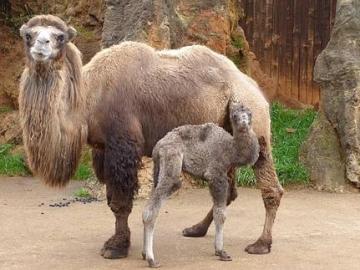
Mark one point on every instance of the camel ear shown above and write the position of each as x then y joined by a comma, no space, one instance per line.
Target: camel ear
23,30
72,33
234,105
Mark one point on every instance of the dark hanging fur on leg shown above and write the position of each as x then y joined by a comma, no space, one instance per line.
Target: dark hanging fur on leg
121,163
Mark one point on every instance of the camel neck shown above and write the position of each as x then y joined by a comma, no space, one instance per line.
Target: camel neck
239,136
50,103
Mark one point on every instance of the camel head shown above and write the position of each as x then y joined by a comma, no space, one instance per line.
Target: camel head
45,38
240,117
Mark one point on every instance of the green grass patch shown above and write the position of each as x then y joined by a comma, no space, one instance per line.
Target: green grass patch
14,164
289,130
82,193
11,164
85,169
83,172
245,177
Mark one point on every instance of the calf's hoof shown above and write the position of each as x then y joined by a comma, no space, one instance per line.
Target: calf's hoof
153,263
259,247
223,256
195,231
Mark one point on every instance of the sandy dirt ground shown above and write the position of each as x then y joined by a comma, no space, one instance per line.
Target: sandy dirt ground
313,231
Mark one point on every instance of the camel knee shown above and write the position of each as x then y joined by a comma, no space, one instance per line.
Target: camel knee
267,179
219,189
174,186
272,197
120,210
118,202
219,215
148,216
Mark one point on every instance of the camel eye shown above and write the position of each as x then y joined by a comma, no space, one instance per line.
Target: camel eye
28,36
61,38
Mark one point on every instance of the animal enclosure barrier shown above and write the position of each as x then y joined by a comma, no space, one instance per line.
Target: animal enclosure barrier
287,36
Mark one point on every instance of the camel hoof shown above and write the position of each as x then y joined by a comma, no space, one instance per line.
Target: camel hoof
195,231
153,263
223,256
113,253
259,247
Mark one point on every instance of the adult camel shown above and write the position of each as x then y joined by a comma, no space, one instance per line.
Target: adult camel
121,103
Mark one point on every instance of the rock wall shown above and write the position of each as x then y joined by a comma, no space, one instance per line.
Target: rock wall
168,24
337,70
171,24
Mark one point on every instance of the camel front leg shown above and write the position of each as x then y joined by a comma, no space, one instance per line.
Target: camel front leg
117,246
120,204
121,162
271,191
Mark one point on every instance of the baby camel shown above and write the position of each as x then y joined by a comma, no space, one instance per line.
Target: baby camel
206,151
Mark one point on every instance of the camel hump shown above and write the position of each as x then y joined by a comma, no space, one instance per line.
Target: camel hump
129,54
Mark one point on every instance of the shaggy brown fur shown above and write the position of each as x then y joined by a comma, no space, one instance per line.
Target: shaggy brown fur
50,103
122,102
206,151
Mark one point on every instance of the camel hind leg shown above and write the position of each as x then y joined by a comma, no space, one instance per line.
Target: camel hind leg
271,191
166,183
264,169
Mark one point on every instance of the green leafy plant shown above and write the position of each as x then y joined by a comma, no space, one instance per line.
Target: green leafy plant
82,193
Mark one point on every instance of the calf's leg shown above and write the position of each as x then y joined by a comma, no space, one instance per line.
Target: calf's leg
219,187
167,183
201,228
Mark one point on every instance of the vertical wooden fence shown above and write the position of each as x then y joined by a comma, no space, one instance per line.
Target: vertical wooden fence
287,36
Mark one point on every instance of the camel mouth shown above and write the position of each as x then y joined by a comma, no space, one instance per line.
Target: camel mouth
39,55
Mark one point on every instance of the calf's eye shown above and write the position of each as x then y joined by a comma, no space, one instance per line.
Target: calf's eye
28,37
